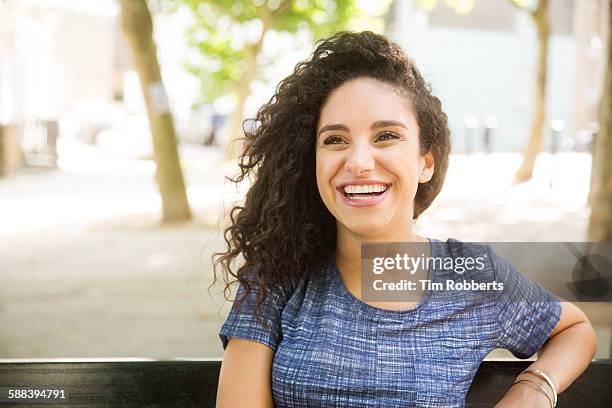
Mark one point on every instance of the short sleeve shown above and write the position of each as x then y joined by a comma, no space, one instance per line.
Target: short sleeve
527,312
242,322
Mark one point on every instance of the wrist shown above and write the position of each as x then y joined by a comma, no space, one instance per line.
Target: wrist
541,381
534,378
530,395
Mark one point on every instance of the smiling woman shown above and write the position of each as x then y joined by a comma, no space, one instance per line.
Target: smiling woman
358,152
352,148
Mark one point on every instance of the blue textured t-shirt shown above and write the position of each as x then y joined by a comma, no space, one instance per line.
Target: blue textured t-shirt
334,350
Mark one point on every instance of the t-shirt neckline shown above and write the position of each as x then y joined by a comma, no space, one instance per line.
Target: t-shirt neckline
373,310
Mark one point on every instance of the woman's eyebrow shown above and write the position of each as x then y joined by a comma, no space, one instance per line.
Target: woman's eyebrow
335,126
375,125
387,123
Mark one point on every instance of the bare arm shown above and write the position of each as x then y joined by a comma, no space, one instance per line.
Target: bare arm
245,379
570,347
566,354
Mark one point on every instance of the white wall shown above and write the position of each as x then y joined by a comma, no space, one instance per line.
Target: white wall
491,73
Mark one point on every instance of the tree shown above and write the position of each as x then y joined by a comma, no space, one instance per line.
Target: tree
540,19
600,223
229,35
137,26
539,16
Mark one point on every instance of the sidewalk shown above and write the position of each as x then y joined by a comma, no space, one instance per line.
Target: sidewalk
85,270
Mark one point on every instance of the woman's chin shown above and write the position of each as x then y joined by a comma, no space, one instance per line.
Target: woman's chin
367,228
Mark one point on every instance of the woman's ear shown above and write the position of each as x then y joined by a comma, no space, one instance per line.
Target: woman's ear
427,167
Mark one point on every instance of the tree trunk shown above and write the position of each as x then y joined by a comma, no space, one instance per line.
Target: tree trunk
600,224
137,26
243,90
597,155
534,144
596,158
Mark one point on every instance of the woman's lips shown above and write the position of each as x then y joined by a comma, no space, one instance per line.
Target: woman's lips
367,201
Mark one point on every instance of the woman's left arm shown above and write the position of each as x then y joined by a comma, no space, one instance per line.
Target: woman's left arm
565,355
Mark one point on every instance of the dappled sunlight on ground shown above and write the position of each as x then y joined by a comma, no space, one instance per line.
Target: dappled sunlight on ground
90,187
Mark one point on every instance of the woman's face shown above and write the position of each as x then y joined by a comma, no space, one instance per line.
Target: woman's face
368,158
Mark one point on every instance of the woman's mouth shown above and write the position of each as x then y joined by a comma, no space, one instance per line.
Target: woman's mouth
363,195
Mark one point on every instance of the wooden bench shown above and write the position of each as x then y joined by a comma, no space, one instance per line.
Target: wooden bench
194,383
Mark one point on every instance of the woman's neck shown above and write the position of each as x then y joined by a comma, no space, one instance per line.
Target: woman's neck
348,249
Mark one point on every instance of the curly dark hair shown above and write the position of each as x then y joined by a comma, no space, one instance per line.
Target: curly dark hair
284,230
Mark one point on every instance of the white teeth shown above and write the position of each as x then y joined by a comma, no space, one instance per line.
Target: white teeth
365,189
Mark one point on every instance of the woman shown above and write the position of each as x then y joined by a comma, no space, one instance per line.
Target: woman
352,148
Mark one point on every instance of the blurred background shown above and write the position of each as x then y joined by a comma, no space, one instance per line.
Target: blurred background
113,199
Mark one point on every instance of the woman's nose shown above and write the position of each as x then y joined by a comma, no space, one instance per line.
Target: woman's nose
360,160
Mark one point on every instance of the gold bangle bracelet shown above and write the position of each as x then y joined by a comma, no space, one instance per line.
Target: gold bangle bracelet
540,387
546,378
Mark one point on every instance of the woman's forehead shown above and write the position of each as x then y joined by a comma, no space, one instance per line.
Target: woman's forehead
361,102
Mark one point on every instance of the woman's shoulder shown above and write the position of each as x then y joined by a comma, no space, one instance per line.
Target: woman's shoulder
455,248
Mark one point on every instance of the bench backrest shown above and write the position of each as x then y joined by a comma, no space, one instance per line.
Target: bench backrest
194,383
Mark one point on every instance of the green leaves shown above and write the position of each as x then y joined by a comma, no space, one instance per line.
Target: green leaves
527,5
427,5
461,6
225,33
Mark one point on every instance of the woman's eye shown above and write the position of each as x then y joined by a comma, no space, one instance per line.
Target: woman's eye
333,140
384,136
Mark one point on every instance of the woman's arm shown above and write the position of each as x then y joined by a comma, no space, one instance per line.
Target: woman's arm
565,355
245,379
